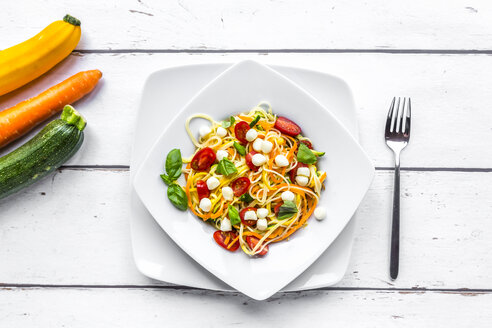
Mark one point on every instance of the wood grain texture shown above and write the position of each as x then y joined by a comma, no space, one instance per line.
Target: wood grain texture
72,229
451,123
81,307
258,24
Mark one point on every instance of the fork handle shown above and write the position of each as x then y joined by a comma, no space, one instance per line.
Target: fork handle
395,226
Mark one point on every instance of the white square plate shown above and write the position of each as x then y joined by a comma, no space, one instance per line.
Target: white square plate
155,254
348,169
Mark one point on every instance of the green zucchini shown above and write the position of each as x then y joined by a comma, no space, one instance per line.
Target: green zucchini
49,149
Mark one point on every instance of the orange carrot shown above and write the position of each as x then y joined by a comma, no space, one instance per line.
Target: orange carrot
23,117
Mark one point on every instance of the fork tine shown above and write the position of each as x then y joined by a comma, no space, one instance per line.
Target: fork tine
390,115
406,131
399,117
394,117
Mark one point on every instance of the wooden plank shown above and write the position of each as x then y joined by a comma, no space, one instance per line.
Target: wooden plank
60,307
221,24
73,229
445,105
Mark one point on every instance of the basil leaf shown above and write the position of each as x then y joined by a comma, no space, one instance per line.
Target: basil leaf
305,155
234,215
177,196
226,167
167,180
228,123
246,198
174,164
253,123
287,210
240,148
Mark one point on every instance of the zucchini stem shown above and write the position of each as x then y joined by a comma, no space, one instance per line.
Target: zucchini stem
71,20
72,117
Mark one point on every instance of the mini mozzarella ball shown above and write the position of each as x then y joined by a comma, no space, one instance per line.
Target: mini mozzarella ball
221,154
251,135
212,183
258,159
204,130
227,193
304,171
288,196
320,213
302,181
257,144
281,161
225,225
250,215
262,213
266,146
261,224
221,132
205,205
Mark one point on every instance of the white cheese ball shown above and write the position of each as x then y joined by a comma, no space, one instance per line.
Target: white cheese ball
227,193
262,213
212,183
266,146
250,215
302,181
225,225
204,130
251,135
288,196
258,159
257,144
261,224
221,154
320,213
304,171
205,205
221,132
281,161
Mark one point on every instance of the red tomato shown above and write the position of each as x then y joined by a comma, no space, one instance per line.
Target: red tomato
202,189
240,186
249,161
276,209
221,236
203,159
307,143
284,125
293,172
240,131
253,241
243,212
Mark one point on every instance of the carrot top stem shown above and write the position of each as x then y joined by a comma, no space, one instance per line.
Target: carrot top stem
73,117
71,20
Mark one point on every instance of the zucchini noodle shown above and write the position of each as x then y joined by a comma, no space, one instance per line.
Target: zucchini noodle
268,182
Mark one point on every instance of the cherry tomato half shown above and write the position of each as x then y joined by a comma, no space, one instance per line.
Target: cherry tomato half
293,172
253,241
284,125
240,186
240,131
243,212
202,189
249,161
221,237
307,143
203,159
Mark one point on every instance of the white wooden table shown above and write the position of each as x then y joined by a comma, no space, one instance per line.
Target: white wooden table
65,253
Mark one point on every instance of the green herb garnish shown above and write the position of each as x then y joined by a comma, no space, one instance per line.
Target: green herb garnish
246,198
240,148
228,123
226,167
234,215
287,210
305,155
253,123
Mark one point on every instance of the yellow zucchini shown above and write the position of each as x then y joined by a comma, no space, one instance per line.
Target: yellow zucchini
28,60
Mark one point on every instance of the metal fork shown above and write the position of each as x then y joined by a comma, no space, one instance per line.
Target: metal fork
397,135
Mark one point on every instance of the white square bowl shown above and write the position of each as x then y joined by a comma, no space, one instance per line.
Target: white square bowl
349,174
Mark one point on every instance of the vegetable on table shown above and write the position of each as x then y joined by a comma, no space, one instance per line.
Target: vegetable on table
20,119
43,154
175,193
30,59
